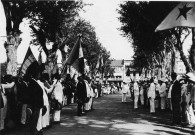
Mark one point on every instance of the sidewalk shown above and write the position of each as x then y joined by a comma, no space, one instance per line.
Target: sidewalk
111,117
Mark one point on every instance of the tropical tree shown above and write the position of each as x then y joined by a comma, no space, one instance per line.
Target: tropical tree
139,21
51,22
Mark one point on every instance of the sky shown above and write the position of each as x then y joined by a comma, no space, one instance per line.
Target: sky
104,17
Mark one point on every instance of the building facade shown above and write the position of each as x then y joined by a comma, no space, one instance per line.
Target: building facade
123,71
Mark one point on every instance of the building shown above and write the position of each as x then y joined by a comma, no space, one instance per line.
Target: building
123,71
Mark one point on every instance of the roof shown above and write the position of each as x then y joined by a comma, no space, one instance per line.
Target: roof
117,63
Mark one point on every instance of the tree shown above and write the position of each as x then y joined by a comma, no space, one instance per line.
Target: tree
51,22
15,11
139,20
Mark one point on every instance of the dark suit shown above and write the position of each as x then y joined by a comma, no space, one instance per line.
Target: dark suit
81,96
36,101
176,100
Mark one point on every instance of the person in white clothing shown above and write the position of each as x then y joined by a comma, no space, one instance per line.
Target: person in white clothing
58,95
163,95
3,111
169,96
151,95
136,94
125,89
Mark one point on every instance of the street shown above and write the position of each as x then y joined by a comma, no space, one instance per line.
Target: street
111,117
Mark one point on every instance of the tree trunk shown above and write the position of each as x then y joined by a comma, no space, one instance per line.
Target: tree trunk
192,50
11,46
178,45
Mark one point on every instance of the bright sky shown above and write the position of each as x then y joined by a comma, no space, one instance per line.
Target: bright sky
104,17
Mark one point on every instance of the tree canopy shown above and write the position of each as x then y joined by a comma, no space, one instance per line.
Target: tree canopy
139,21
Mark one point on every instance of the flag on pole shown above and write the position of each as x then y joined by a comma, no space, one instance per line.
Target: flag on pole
40,61
182,15
100,63
76,58
28,60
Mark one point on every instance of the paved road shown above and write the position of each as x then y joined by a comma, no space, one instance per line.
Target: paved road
111,117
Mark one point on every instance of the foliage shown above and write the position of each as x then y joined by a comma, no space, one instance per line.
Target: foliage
139,21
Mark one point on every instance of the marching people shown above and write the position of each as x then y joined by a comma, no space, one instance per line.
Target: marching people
136,94
152,95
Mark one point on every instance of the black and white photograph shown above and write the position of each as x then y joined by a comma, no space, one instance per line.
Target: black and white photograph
97,67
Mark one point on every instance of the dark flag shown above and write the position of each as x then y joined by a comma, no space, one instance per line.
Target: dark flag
28,61
76,58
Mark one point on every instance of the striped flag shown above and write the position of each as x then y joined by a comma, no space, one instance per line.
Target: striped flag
182,15
28,60
76,58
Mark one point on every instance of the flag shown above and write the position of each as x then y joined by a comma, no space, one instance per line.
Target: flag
28,60
55,65
182,15
76,58
40,58
100,63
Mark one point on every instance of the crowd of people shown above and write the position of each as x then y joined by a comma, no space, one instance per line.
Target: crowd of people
35,100
176,94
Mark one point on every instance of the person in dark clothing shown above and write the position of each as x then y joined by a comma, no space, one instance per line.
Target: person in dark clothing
81,95
35,94
176,100
68,90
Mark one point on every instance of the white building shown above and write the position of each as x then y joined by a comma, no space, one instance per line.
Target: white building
123,71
